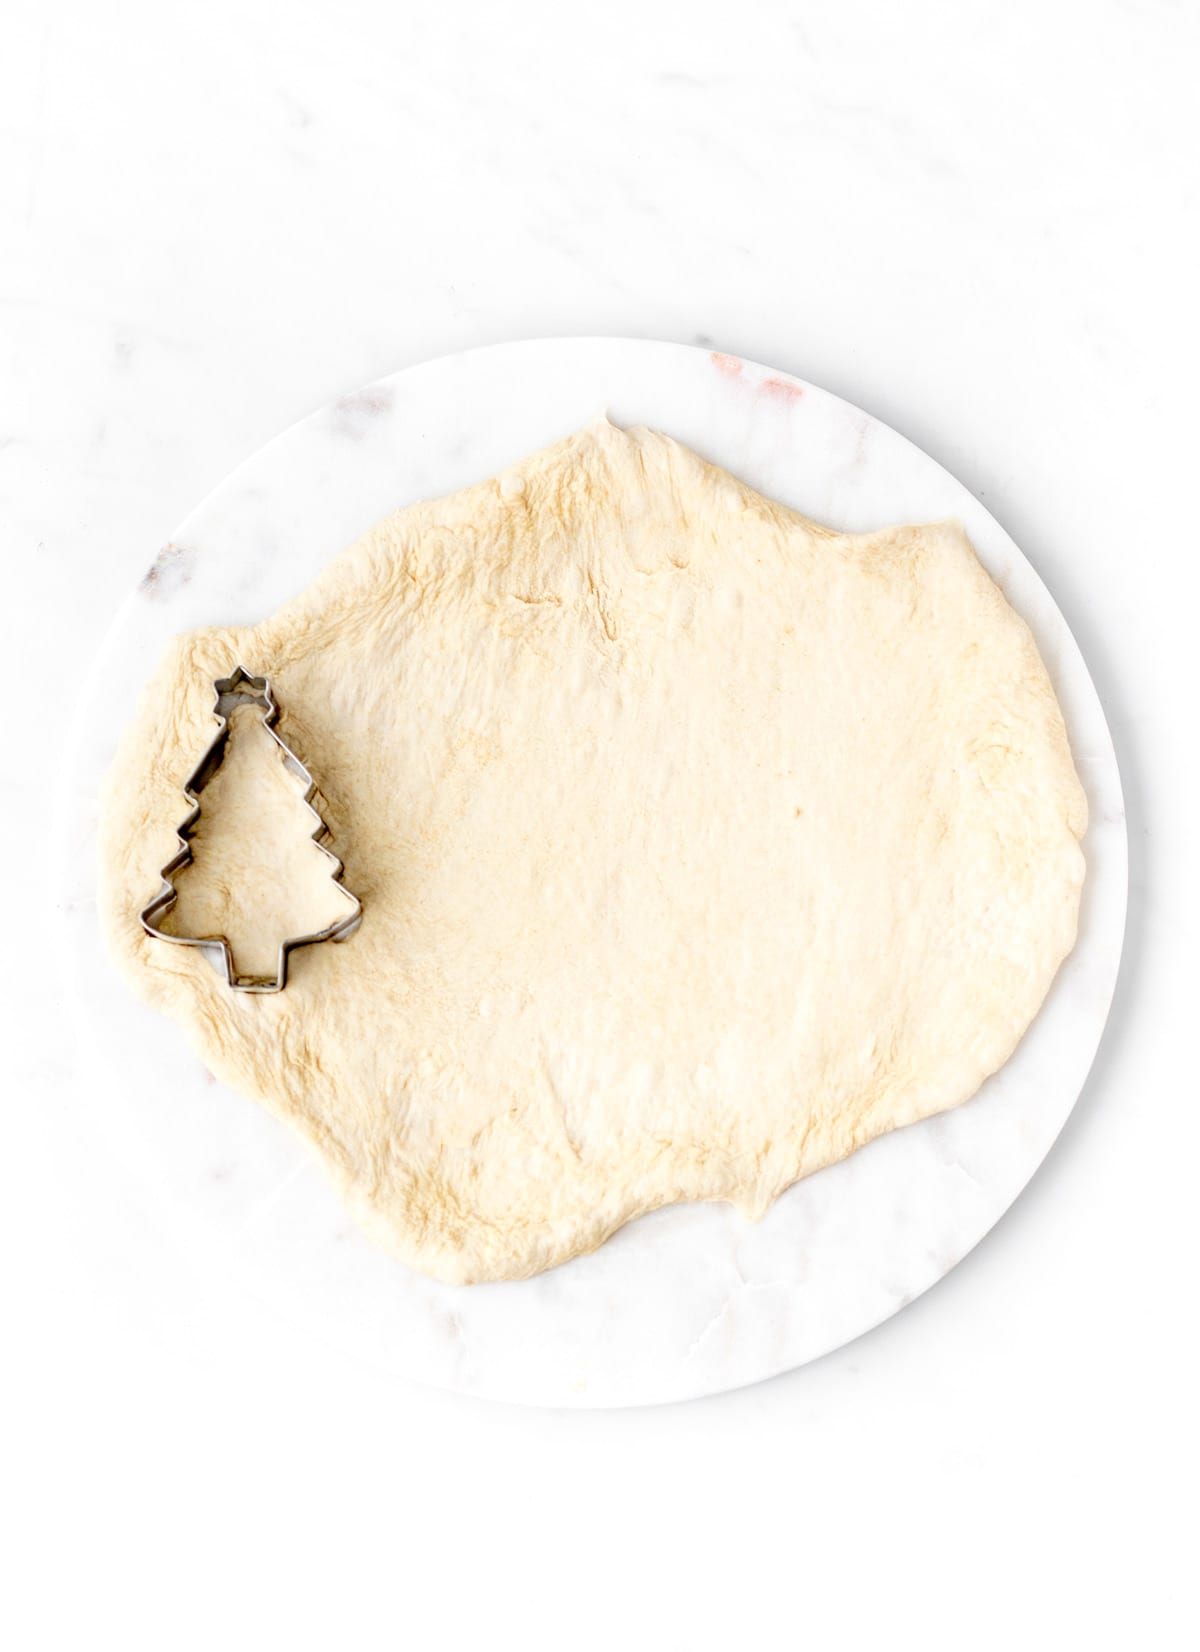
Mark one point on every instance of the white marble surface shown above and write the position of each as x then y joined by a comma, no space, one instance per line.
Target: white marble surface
979,222
687,1301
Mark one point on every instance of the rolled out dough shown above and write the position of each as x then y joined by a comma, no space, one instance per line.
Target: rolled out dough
698,845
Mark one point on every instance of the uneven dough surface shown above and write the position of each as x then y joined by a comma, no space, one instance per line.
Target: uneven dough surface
698,845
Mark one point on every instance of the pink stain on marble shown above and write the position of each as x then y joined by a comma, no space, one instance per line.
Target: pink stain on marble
778,389
728,366
354,413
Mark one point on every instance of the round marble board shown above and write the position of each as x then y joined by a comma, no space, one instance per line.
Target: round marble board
688,1300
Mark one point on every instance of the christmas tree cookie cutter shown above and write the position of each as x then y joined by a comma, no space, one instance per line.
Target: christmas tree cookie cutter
238,690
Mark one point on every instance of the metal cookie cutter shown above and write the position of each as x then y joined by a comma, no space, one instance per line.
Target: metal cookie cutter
238,690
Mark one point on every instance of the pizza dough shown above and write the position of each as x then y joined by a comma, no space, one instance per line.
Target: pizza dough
698,845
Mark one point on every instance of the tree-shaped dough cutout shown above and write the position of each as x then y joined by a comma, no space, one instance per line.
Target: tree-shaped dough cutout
253,879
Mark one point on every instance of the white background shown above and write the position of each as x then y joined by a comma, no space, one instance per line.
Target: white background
977,221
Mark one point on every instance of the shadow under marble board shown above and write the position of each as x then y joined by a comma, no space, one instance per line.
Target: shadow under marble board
692,1299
